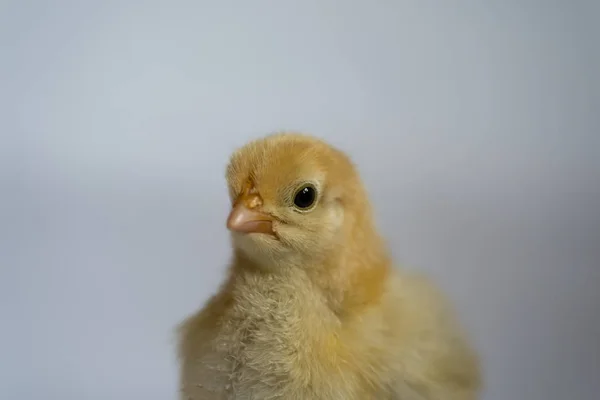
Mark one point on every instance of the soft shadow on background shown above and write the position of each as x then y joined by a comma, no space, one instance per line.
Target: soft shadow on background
475,124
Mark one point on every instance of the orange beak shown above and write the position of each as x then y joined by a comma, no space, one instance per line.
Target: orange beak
244,219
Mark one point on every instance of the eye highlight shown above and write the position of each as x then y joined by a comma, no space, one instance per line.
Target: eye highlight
305,197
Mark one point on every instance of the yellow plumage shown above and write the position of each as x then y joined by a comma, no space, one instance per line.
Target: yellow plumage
313,307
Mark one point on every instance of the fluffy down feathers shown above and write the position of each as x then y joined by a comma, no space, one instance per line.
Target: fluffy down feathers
312,307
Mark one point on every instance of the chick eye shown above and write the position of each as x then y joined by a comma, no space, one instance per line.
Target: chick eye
305,197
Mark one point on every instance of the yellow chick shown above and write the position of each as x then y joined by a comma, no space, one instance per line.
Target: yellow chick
313,307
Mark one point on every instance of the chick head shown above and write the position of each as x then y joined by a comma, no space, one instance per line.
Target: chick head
293,197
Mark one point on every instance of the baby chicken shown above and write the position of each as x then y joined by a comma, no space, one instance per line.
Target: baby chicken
312,307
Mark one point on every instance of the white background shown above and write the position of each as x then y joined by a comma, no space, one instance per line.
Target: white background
475,125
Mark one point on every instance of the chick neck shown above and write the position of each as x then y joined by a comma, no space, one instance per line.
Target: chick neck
349,276
353,275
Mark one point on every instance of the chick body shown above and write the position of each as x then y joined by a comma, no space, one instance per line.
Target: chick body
317,310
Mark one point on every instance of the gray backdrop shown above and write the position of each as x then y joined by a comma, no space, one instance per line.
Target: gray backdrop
475,125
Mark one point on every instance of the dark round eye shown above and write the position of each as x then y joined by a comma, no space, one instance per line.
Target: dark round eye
305,197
